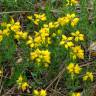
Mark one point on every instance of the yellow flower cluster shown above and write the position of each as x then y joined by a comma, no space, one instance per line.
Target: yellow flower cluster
15,26
37,18
66,41
42,92
74,22
41,37
76,94
71,2
41,56
12,26
73,68
63,21
20,35
52,25
22,84
1,37
3,33
30,42
78,36
29,17
67,19
88,75
77,52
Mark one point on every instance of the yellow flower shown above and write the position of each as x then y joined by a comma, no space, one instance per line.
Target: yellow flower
39,17
20,35
21,84
67,19
36,21
46,56
12,20
3,24
20,80
24,35
29,17
88,75
78,36
76,94
16,26
43,17
1,35
24,86
8,26
73,68
45,25
44,31
74,22
42,37
71,2
36,92
51,25
48,40
66,41
74,2
36,16
73,15
63,20
77,69
30,42
17,37
1,38
77,51
38,39
42,92
35,54
56,24
40,56
70,68
6,32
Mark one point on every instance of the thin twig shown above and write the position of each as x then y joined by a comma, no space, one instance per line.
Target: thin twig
10,12
8,92
60,73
